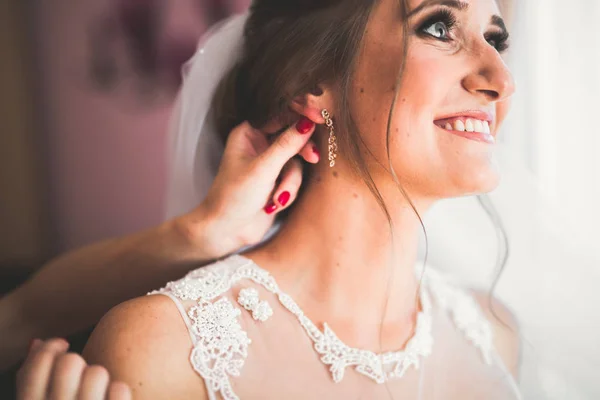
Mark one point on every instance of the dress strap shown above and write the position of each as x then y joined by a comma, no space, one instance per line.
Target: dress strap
182,312
220,345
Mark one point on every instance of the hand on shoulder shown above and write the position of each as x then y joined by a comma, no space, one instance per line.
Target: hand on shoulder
50,372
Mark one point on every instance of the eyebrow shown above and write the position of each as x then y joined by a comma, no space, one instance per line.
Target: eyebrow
459,5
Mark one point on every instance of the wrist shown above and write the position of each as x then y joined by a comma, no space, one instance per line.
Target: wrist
201,234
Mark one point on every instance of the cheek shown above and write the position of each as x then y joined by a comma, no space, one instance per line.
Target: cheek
502,109
372,95
432,162
413,142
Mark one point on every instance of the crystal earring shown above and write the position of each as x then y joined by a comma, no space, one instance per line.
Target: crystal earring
333,148
261,310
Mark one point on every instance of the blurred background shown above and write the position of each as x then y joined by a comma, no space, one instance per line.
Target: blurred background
87,88
86,92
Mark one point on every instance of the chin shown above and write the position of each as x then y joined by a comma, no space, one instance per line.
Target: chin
485,181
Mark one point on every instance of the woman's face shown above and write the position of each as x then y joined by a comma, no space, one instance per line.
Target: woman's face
454,82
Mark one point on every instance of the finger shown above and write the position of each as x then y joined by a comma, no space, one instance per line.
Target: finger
310,153
286,146
119,391
34,345
291,179
34,376
273,126
243,143
66,376
94,383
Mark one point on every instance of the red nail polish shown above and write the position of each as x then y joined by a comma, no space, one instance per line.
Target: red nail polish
304,126
284,198
315,150
270,208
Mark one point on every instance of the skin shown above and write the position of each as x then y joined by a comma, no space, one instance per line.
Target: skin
51,373
232,215
334,244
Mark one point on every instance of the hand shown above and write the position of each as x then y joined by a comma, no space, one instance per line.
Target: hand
49,372
255,182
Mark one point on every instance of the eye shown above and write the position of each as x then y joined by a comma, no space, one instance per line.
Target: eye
438,26
498,40
438,30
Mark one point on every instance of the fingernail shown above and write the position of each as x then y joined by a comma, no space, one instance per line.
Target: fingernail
304,126
284,198
270,208
315,150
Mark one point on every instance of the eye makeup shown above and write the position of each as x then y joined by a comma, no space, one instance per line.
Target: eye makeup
444,21
443,16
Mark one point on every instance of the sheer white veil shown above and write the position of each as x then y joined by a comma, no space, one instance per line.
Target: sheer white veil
462,236
195,148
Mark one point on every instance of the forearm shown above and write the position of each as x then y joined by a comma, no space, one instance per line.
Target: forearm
72,292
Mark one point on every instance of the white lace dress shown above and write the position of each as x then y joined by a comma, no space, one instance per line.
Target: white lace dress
250,340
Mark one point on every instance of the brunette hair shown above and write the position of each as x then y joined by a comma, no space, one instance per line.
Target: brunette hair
292,46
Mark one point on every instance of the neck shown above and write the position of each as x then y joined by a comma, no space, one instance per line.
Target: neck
339,257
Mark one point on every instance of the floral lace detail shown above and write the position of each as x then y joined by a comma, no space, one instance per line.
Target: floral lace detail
339,356
205,283
465,312
261,310
248,298
222,345
379,367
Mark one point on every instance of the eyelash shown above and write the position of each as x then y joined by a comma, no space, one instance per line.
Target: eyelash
444,16
500,39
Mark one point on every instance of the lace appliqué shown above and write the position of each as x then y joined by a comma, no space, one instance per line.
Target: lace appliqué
379,367
261,310
205,283
465,312
222,345
337,355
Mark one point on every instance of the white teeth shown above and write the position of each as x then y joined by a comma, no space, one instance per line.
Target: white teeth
459,126
469,126
486,128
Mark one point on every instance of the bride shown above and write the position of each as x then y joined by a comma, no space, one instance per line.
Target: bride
406,98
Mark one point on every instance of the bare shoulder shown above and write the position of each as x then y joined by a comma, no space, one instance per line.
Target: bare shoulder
505,328
140,341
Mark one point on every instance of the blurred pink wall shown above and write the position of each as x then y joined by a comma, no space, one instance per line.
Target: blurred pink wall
106,154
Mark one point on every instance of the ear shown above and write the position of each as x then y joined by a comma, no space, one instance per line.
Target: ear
312,104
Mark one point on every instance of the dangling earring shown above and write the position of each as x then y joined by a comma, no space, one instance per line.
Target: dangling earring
332,139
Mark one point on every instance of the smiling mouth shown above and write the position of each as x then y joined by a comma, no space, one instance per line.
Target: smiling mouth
469,128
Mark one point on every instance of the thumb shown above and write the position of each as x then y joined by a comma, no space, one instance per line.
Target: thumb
286,146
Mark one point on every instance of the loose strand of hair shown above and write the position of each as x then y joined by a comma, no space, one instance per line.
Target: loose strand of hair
503,251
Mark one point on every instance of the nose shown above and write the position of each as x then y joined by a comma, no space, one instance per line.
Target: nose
490,79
